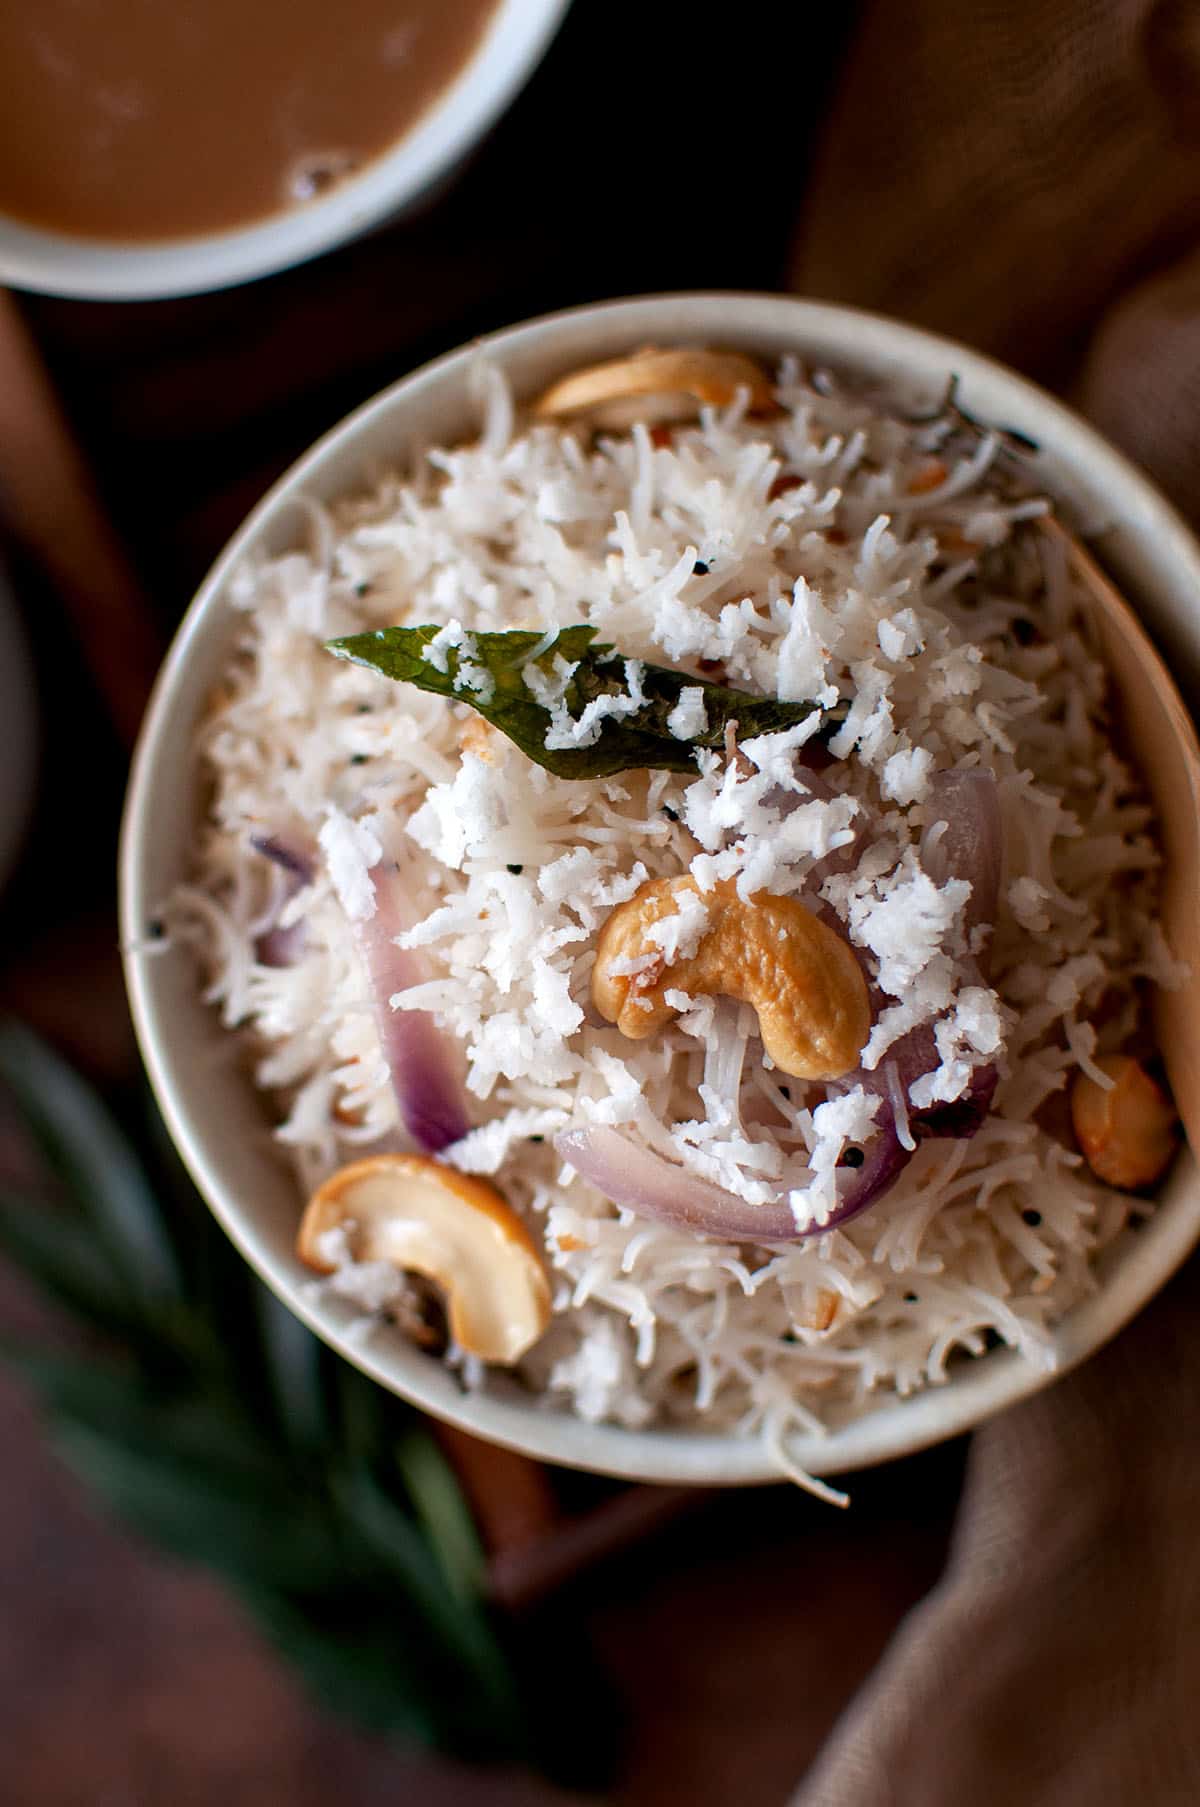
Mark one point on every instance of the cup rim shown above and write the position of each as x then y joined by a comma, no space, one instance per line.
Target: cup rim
1145,537
46,262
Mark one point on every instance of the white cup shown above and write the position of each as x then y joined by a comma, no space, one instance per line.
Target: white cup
54,263
220,1123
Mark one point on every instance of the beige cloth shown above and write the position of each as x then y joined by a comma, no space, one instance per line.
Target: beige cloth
1025,175
1056,1663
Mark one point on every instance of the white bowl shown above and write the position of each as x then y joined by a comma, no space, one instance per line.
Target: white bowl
217,1119
55,263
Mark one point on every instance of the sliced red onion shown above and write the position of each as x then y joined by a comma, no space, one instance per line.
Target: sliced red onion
632,1175
280,947
968,846
884,1159
971,845
909,1059
292,855
816,789
962,1117
819,790
419,1057
284,946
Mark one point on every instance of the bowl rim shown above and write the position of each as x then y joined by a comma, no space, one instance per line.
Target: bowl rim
977,1389
46,262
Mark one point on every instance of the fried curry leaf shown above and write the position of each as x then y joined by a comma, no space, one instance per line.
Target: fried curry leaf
527,685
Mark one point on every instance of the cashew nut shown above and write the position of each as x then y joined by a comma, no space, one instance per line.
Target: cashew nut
478,737
1128,1132
802,978
812,1308
457,1231
662,385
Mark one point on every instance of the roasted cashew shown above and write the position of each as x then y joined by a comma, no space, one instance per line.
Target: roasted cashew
802,978
1128,1132
478,737
663,385
456,1230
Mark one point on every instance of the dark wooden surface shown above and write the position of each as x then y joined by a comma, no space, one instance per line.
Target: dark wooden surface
734,1638
650,152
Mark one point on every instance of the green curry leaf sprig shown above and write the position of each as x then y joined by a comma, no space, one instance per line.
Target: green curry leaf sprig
528,684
